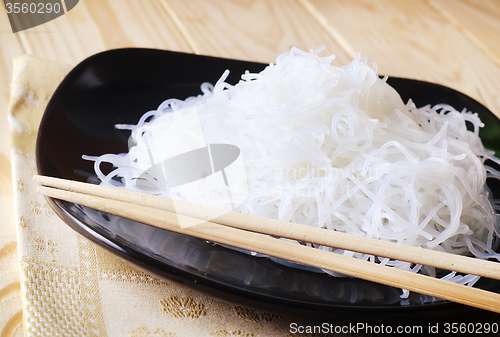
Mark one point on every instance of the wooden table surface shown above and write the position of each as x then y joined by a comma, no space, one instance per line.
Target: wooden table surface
450,42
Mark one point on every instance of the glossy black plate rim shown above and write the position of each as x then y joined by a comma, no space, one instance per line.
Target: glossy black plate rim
62,209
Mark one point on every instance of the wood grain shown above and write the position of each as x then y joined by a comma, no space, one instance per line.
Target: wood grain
95,26
136,24
413,40
256,30
479,21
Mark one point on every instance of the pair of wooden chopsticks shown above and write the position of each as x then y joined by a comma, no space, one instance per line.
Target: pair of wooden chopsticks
245,231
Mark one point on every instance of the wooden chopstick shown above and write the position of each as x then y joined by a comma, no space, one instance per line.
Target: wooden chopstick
289,230
285,250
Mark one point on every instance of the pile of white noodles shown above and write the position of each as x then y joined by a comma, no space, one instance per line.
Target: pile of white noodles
336,147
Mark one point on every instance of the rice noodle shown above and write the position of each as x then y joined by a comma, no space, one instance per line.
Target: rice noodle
337,148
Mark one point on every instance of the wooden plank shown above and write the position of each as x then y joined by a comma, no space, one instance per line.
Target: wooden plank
132,23
414,40
94,26
479,21
256,30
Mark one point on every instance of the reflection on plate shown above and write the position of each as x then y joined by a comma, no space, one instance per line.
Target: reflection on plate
118,87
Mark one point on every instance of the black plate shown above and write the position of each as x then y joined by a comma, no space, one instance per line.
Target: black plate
119,86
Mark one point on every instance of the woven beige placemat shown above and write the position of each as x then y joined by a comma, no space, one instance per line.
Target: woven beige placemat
71,287
10,289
